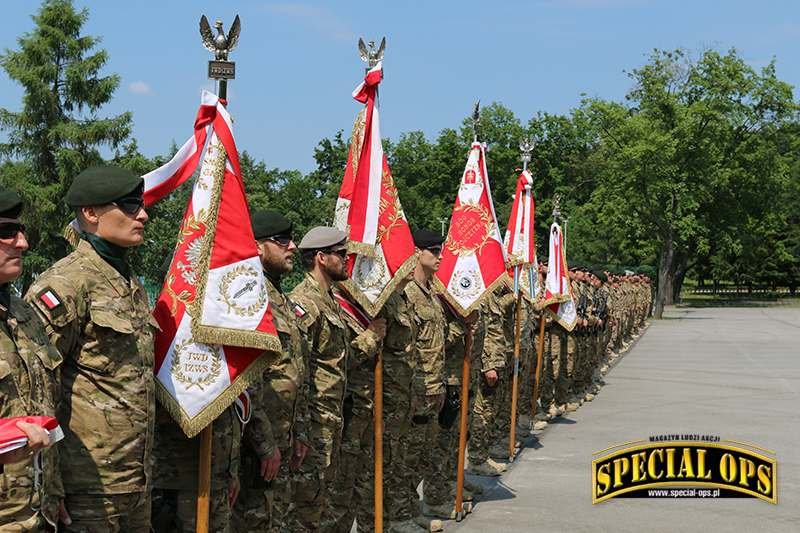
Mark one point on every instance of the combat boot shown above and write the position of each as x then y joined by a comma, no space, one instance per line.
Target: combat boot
428,524
488,468
445,511
572,404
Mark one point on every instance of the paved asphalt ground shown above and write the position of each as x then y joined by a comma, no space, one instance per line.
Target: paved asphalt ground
731,371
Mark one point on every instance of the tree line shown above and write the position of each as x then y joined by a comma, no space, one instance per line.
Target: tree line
694,173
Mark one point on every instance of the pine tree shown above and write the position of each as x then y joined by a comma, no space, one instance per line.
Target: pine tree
57,132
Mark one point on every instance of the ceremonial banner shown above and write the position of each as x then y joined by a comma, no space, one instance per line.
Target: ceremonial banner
520,241
213,311
368,209
473,257
557,297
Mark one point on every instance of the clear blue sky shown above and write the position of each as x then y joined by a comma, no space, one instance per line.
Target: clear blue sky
297,62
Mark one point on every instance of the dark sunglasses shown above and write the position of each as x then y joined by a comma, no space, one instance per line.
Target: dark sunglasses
130,205
11,230
281,240
341,252
435,250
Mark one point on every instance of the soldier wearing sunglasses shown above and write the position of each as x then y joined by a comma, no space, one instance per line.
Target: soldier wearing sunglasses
97,314
30,483
275,439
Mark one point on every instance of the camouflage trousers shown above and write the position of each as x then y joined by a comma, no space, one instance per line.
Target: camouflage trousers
263,505
396,444
488,401
108,513
421,455
527,369
502,421
546,376
352,490
311,484
175,511
566,359
583,362
439,481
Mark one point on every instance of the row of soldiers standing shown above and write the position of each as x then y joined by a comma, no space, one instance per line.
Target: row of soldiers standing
80,347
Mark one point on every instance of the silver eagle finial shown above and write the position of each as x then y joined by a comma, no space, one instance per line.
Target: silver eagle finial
476,118
220,43
369,54
526,145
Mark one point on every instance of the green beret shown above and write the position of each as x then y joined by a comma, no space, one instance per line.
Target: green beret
322,237
269,223
10,204
102,185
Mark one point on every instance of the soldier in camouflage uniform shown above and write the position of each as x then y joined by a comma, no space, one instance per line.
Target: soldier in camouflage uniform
28,386
429,385
352,493
97,314
440,481
500,432
275,438
497,312
566,375
324,254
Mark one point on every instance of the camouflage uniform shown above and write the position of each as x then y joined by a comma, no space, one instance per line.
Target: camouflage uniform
494,357
439,482
502,421
175,469
103,328
28,386
527,356
399,367
279,415
321,321
426,310
352,489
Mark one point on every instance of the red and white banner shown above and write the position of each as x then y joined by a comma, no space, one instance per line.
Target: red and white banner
368,209
473,257
557,297
520,241
213,311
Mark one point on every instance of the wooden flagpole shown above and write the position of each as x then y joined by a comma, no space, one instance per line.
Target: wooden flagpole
204,480
512,437
462,434
377,414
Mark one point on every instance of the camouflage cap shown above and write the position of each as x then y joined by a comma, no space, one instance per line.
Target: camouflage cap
268,223
322,237
102,184
10,203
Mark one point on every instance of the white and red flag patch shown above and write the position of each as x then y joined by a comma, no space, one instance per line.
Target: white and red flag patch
473,258
50,299
557,297
368,209
520,241
216,330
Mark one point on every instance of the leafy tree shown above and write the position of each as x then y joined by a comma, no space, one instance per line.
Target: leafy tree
57,132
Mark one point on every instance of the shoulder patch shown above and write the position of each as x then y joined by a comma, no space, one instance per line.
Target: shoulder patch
51,300
299,311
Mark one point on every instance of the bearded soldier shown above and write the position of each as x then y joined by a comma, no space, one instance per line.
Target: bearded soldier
28,376
275,439
324,256
97,314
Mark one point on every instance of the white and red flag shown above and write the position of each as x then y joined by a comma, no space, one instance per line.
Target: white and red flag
216,330
473,257
558,298
520,241
368,209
